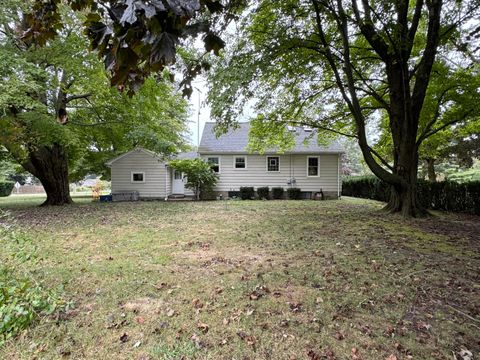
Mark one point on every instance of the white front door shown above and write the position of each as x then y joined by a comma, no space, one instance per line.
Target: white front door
178,187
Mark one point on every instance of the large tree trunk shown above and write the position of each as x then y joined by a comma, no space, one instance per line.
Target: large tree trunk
432,176
50,165
404,200
404,196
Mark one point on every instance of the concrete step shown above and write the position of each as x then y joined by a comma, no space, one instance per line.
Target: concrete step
180,197
176,196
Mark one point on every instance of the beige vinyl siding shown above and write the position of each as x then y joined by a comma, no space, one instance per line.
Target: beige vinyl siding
155,179
168,178
291,166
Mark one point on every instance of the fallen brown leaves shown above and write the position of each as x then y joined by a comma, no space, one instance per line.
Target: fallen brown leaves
124,338
249,339
202,327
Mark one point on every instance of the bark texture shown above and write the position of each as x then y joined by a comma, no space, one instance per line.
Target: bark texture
432,176
50,165
406,86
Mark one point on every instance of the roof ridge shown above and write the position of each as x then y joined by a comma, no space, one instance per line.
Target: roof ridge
236,140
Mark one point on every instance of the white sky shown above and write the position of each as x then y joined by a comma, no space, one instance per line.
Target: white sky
199,95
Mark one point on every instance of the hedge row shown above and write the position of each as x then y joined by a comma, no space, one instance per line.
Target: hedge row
248,192
445,195
6,188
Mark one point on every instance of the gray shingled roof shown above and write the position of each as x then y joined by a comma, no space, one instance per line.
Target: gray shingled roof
186,155
236,141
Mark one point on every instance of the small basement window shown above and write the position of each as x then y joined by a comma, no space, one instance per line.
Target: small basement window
214,164
313,166
273,163
240,162
138,176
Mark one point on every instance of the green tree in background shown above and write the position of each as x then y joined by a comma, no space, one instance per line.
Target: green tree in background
59,117
452,99
339,67
201,179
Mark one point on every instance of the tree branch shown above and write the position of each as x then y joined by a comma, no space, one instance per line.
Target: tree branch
353,102
382,160
447,124
436,115
368,30
321,127
428,58
75,97
354,106
415,21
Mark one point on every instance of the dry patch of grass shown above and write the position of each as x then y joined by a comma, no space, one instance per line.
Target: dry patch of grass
254,280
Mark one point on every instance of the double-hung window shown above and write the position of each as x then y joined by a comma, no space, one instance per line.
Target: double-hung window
273,163
214,164
313,166
240,162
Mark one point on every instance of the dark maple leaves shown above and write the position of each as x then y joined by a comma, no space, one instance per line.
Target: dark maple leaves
136,37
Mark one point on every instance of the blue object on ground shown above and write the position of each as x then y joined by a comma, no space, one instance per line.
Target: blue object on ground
105,198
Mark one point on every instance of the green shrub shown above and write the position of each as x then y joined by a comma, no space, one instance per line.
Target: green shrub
444,195
23,299
277,192
6,187
234,194
263,192
294,193
201,179
247,193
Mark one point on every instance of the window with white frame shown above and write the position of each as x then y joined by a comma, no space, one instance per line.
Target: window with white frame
240,162
214,163
177,175
313,168
273,163
138,177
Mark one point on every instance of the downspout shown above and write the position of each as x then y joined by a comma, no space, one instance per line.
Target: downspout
166,182
290,172
292,167
338,176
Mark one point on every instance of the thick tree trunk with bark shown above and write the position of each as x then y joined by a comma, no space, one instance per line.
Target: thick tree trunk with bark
432,176
404,198
50,165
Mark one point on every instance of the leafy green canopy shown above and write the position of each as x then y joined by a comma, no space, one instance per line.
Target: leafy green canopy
309,62
100,122
452,105
135,37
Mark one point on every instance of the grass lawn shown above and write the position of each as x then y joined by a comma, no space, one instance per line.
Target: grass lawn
29,200
253,280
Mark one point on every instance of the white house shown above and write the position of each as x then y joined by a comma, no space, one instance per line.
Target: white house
307,166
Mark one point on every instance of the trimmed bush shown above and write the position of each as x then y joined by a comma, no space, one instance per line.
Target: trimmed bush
444,195
277,192
247,193
263,193
234,194
294,193
6,188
